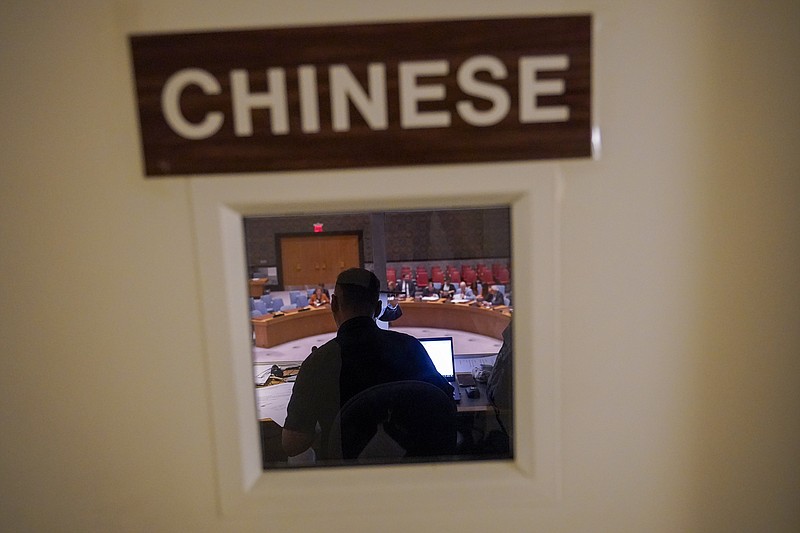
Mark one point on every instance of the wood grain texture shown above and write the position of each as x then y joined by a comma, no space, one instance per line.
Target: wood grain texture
157,57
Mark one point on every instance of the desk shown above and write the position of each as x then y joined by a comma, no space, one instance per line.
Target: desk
273,400
473,416
273,330
463,317
473,405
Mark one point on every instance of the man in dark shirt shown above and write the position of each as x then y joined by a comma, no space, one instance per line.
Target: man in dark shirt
407,286
429,290
495,297
362,355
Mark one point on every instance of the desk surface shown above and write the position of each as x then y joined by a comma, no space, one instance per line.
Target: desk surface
271,330
271,401
469,416
460,316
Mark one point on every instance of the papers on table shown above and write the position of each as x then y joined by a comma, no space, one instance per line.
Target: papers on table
466,364
271,402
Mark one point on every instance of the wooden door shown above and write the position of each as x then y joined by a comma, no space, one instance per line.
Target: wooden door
313,259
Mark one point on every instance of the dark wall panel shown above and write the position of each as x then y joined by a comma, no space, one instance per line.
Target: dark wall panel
410,235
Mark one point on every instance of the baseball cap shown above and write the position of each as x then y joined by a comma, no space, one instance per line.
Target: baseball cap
359,277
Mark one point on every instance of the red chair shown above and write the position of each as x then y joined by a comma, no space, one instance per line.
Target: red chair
503,277
422,278
437,277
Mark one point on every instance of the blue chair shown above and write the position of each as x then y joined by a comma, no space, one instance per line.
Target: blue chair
293,296
302,300
277,303
260,306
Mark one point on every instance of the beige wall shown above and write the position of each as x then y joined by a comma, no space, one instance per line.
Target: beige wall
680,293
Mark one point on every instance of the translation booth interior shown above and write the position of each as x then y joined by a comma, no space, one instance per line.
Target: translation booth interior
445,278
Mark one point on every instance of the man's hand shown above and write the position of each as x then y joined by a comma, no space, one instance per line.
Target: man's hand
295,442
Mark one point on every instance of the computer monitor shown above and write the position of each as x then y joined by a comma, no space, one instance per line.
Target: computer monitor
440,350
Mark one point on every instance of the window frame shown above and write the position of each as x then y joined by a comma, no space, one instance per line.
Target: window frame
219,204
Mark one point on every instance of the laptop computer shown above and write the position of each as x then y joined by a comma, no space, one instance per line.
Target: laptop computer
440,350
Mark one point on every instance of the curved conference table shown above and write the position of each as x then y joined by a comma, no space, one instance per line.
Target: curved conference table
272,330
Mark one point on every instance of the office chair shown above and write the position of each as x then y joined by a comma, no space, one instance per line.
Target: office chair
395,420
293,296
260,306
302,300
503,276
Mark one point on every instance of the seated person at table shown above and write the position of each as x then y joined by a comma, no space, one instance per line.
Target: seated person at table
429,290
464,293
322,287
407,286
319,297
495,297
447,288
360,356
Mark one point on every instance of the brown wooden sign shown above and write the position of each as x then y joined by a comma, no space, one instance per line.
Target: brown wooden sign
364,95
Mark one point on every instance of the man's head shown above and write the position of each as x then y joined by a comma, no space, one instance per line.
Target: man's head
462,286
356,294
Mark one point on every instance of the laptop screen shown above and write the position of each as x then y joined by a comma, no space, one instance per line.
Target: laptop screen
440,350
